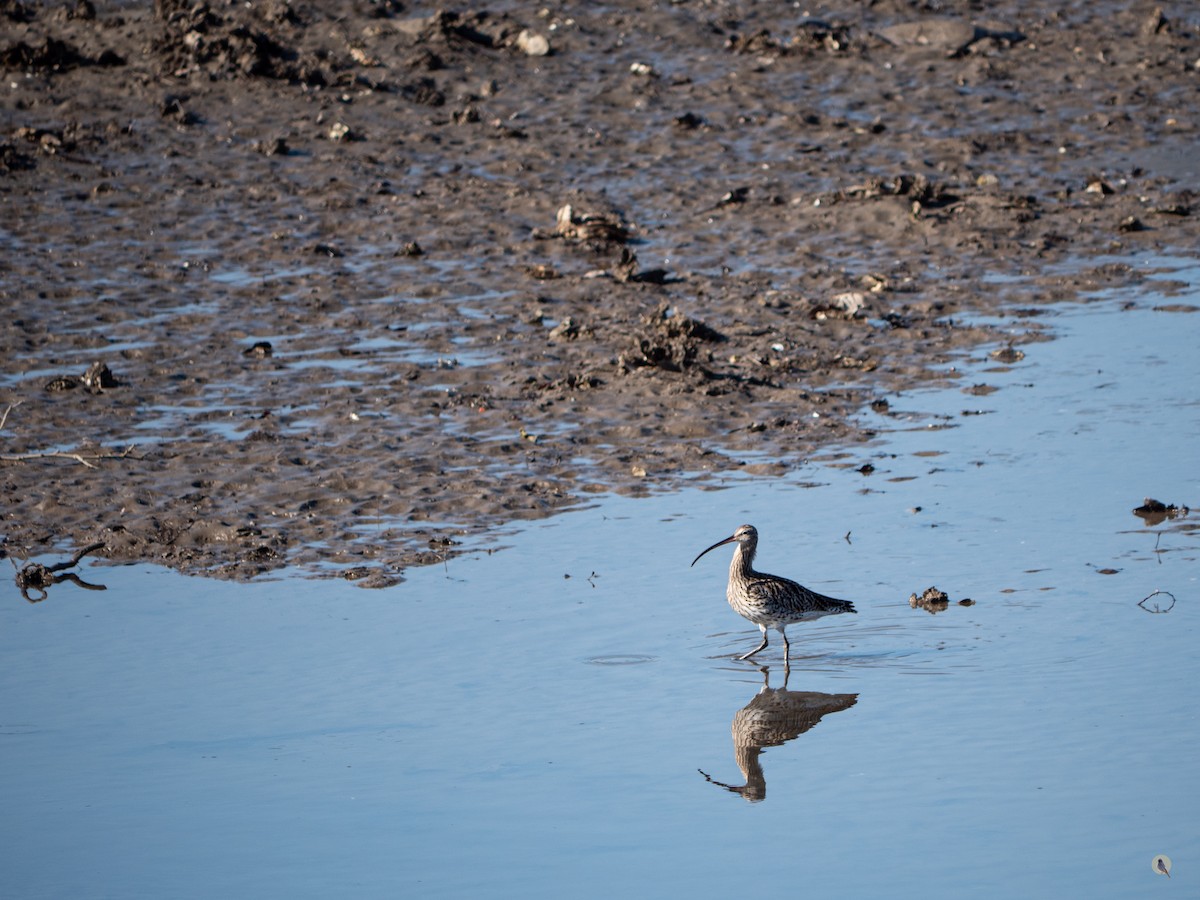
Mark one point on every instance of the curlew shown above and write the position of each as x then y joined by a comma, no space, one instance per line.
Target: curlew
768,600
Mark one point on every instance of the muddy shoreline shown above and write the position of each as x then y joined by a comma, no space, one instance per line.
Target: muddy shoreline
349,286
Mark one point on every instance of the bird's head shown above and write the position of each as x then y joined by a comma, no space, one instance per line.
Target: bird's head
746,536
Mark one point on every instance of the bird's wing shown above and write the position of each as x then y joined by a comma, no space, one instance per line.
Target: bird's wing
778,591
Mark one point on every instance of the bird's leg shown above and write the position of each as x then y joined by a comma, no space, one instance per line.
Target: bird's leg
762,646
786,646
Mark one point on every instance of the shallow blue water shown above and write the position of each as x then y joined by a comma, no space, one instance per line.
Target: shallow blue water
496,728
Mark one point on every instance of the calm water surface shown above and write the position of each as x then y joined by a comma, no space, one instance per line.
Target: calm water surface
565,717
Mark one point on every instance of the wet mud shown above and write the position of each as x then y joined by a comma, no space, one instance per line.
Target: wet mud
351,285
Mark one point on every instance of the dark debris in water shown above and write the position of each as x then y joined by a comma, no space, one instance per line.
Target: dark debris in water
1007,354
934,601
35,579
371,577
1155,606
1153,512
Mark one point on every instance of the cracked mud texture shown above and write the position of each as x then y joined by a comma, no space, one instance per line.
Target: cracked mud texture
351,285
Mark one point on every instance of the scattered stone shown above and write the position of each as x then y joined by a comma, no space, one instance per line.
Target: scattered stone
1007,355
566,330
62,383
273,147
848,305
533,44
424,92
1176,207
98,378
51,55
627,269
1155,23
173,108
542,272
363,58
735,196
95,380
590,228
467,115
953,37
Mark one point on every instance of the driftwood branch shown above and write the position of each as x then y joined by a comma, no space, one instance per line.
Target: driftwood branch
34,578
74,560
1154,607
11,407
81,458
78,457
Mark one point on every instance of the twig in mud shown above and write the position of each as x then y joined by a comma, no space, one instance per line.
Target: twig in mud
1142,602
57,454
11,407
78,457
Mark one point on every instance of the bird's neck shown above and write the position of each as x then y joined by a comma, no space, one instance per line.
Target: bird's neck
743,562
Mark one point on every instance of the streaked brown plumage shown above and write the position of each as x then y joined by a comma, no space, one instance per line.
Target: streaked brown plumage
768,600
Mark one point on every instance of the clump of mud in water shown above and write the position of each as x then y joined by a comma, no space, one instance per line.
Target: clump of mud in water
671,341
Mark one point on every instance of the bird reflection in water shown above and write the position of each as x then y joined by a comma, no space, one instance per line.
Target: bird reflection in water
772,718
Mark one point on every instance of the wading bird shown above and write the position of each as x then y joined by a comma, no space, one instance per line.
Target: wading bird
768,600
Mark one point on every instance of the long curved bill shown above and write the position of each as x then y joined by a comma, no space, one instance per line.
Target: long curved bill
730,539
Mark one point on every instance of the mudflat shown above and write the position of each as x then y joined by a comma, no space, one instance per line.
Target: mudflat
350,285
